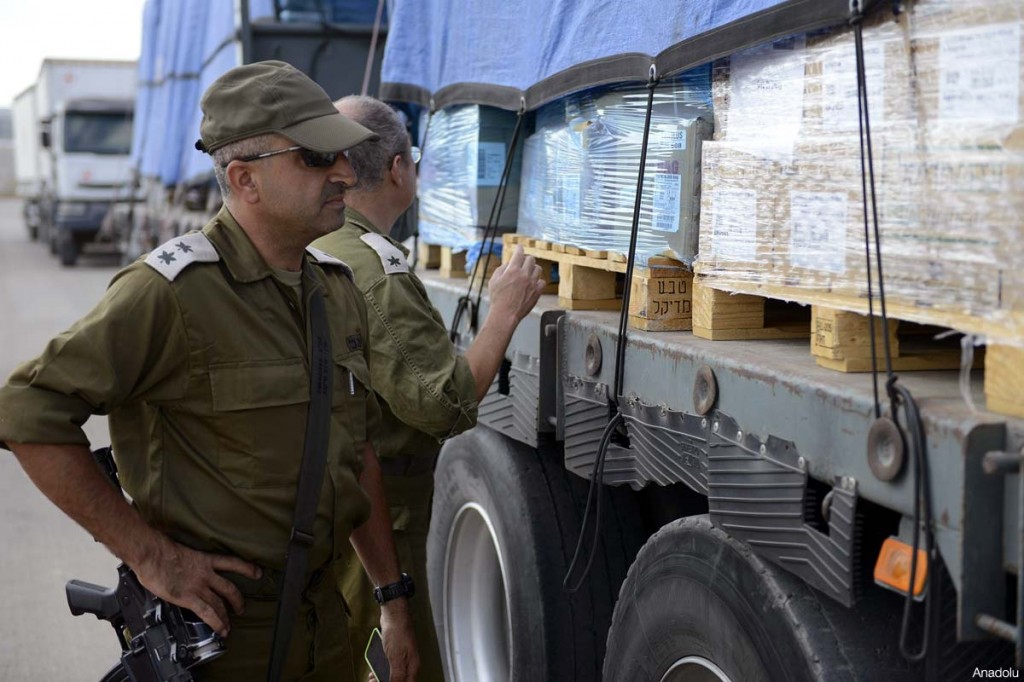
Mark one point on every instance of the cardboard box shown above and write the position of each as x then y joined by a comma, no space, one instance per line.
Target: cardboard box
739,222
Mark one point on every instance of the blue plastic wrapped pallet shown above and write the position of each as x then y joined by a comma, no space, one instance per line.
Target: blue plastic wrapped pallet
463,159
580,168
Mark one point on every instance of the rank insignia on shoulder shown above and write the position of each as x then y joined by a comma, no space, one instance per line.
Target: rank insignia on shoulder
173,256
324,258
391,257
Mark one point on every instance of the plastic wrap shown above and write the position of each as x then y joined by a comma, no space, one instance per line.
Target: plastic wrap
783,210
463,160
580,168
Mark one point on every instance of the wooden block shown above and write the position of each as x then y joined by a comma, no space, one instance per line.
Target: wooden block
428,256
842,335
580,283
719,310
721,316
662,299
1004,378
453,265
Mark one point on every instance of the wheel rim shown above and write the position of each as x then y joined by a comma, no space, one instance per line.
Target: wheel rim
477,623
694,669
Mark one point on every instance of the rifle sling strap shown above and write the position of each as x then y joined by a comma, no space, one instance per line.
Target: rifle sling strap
311,477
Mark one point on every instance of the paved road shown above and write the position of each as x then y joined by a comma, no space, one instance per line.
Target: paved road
40,548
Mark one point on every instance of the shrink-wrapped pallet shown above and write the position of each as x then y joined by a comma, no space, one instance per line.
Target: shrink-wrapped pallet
945,102
463,160
580,168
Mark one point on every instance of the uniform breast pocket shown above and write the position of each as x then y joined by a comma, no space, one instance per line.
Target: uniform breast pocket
260,417
351,394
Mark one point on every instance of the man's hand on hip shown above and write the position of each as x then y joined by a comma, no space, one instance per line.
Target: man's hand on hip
192,580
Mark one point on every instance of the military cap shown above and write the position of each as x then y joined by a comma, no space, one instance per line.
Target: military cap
274,97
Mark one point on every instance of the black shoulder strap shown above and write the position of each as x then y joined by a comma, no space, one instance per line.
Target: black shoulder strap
311,478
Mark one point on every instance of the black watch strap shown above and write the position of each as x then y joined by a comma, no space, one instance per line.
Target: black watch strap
405,587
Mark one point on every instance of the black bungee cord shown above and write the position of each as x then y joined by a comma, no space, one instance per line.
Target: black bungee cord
595,491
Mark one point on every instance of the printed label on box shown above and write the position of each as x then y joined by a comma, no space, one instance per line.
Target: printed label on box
767,97
839,87
490,163
734,224
667,190
570,198
819,230
676,139
979,73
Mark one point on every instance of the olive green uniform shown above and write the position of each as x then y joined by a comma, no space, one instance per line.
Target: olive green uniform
200,357
427,394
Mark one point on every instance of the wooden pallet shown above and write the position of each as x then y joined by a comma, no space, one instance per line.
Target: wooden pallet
449,263
839,339
660,295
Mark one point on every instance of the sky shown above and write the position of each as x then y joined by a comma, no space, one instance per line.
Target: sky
31,30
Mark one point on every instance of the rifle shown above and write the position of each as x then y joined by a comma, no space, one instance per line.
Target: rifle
160,642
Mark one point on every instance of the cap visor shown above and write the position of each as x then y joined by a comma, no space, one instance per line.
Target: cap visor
331,133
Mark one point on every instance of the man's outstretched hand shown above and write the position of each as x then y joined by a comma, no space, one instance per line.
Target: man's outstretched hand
515,287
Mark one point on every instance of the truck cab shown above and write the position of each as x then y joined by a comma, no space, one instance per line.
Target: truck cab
89,142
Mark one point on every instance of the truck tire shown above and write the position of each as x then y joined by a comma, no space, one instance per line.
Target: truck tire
67,248
700,606
504,527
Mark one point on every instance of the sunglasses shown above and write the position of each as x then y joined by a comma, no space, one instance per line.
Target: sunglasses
311,158
416,153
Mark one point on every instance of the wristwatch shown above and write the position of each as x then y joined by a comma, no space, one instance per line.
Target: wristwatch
405,587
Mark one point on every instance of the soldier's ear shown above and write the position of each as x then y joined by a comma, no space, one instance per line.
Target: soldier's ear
396,169
242,182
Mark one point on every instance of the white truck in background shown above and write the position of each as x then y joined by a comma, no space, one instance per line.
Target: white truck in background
73,131
28,178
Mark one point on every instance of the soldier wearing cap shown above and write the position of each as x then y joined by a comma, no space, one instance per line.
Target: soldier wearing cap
200,356
428,391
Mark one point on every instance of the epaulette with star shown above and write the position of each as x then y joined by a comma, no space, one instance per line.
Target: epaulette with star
324,258
173,256
391,257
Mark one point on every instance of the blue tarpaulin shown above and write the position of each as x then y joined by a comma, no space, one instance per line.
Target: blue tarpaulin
496,52
454,51
187,44
182,40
